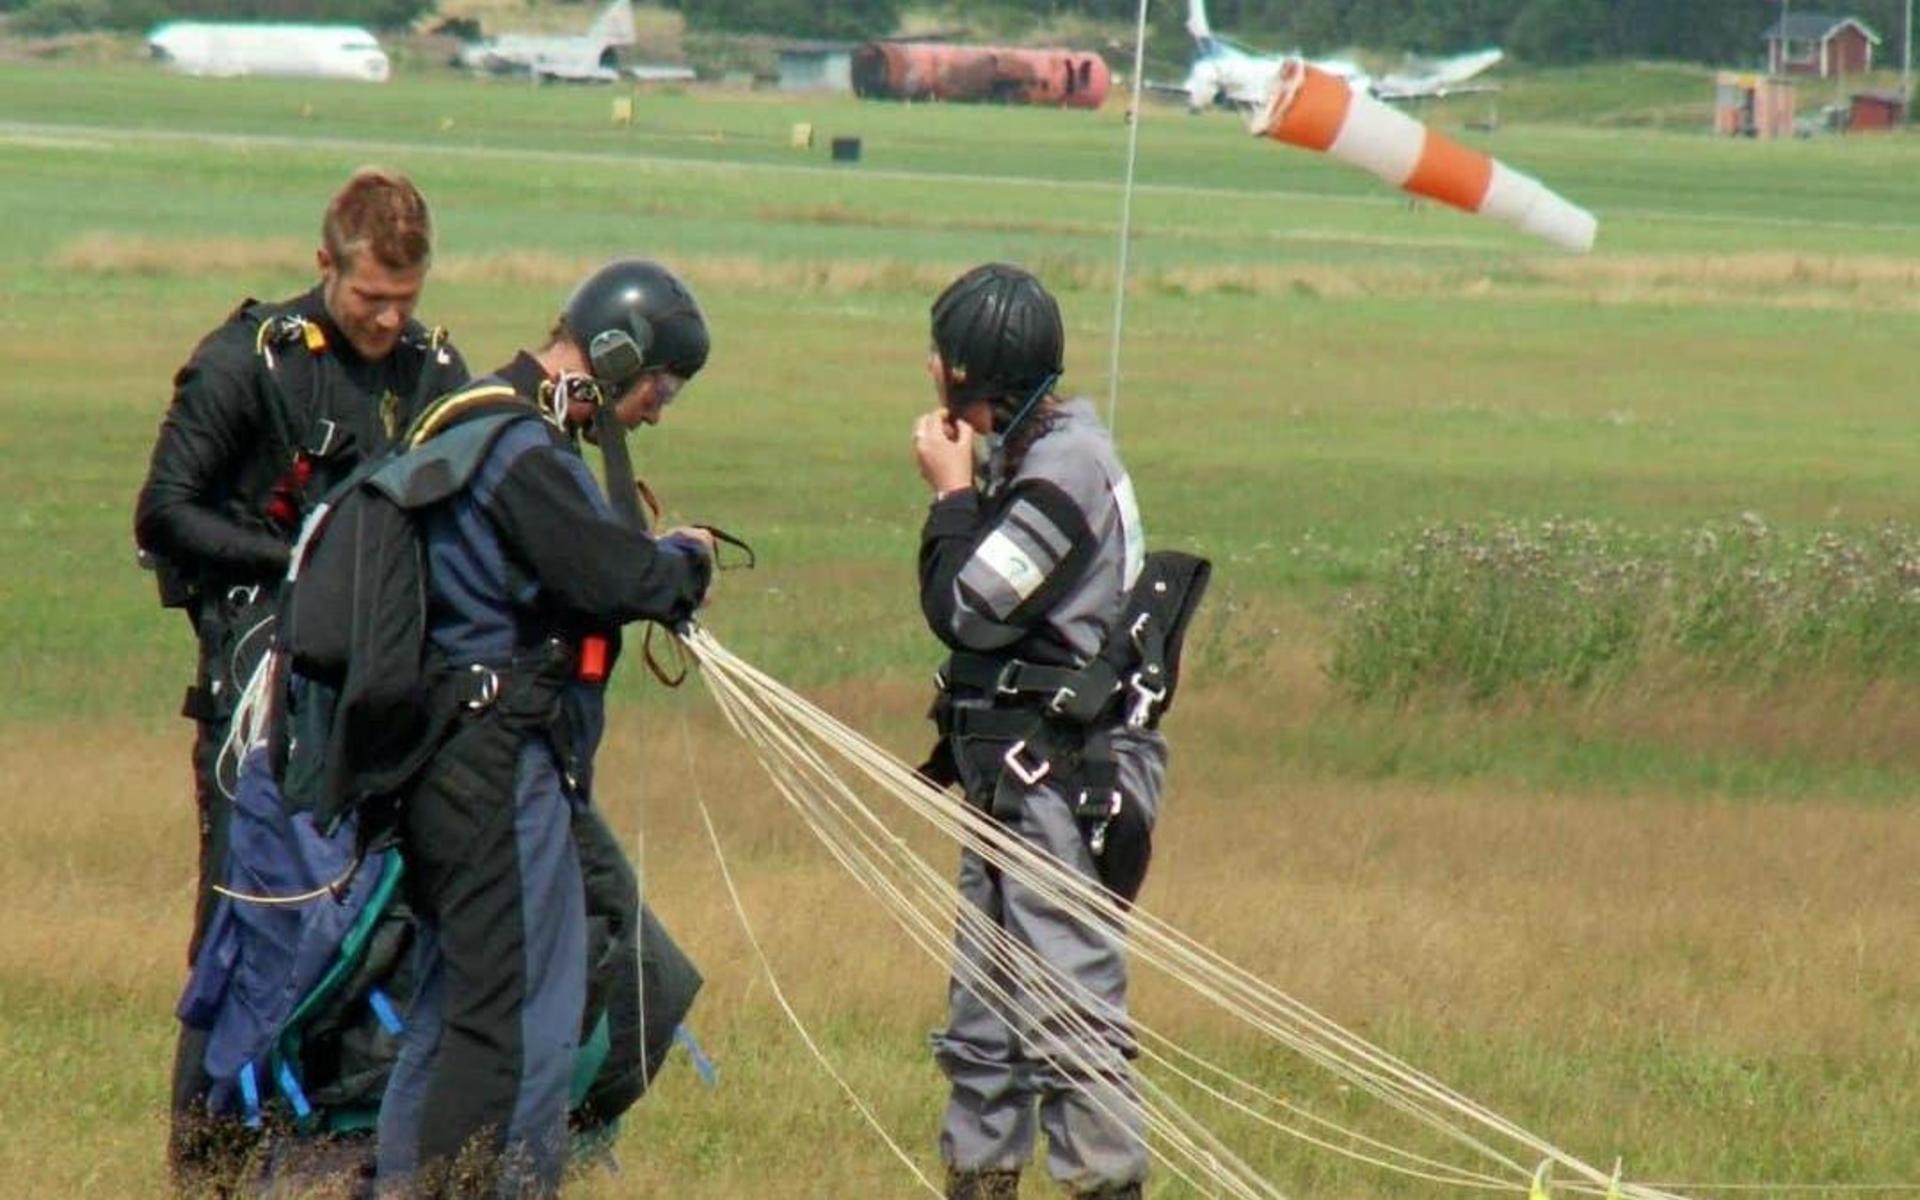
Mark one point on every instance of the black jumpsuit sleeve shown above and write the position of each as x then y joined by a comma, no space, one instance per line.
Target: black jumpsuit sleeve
947,538
213,425
588,563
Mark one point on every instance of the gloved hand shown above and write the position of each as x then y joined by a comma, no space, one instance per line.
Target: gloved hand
690,539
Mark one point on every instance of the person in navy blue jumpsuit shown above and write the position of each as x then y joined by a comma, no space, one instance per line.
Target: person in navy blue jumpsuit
526,565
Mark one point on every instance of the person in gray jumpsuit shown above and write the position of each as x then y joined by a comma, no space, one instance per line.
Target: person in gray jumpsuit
1026,568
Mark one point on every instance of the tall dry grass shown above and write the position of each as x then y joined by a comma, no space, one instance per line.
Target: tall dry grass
1520,944
1765,279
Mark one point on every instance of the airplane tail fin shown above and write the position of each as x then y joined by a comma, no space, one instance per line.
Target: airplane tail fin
614,25
1197,23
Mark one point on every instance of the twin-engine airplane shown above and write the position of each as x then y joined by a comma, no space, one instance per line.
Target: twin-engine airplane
1227,74
224,48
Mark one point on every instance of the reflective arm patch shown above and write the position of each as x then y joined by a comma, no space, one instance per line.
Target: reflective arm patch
1014,575
1001,555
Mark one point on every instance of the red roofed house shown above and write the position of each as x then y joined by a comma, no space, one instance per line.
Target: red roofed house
1816,44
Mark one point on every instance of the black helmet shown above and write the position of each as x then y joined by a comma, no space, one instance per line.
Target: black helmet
999,337
632,316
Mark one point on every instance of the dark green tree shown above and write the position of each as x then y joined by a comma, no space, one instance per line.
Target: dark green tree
847,19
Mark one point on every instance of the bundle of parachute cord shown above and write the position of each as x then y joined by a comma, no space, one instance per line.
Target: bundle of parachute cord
834,780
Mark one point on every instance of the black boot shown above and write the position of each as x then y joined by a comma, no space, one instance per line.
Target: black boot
982,1185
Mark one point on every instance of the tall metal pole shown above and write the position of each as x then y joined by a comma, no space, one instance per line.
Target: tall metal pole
1906,66
1126,221
1786,47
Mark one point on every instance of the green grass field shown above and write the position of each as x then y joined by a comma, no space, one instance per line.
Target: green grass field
1671,920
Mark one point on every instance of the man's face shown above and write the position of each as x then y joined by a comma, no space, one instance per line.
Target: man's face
642,403
369,301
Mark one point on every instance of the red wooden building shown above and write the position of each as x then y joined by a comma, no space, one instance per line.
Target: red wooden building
1876,112
1817,44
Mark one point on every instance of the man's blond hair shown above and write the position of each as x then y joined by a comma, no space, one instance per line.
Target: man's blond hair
378,212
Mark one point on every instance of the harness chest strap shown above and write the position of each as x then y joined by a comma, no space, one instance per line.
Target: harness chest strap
1065,709
322,435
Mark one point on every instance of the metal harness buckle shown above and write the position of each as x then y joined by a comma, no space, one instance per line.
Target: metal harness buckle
1003,684
489,689
1097,838
1145,696
322,437
1021,771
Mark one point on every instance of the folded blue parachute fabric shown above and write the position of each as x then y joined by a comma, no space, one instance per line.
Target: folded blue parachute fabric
266,946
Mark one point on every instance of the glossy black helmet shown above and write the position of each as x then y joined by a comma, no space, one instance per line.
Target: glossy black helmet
633,316
999,336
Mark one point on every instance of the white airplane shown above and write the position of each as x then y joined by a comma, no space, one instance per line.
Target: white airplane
593,57
1224,73
234,48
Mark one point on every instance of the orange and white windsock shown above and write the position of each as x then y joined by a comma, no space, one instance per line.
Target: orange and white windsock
1320,111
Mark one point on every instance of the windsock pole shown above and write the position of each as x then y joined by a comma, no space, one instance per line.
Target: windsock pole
1316,110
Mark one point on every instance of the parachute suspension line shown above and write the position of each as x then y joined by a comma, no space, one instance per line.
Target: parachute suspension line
252,713
794,740
1063,1000
1126,221
928,923
639,904
333,890
766,965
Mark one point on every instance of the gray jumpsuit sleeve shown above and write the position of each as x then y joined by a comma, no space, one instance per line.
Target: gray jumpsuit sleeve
990,573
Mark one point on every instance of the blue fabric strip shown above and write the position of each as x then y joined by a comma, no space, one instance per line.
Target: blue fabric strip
384,1012
250,1095
702,1065
290,1088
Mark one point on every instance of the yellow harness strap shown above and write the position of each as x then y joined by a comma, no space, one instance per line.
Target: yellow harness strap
444,410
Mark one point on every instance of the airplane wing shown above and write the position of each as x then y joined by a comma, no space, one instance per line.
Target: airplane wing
1383,90
1440,78
660,73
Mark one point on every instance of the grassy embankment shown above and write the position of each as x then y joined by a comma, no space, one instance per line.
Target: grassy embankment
1671,918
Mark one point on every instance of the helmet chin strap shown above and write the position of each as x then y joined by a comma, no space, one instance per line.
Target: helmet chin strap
622,493
1019,418
603,430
